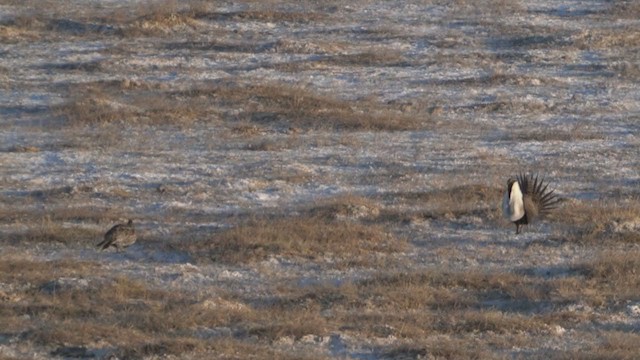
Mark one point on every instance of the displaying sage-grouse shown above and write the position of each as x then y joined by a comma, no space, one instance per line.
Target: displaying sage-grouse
120,236
527,199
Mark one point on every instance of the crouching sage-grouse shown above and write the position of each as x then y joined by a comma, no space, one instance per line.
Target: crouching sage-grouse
526,199
120,236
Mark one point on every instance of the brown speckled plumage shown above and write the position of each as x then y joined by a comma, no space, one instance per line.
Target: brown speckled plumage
120,236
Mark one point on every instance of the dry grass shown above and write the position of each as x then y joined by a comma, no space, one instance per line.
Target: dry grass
62,213
608,38
449,203
627,9
38,20
276,106
135,319
372,57
123,103
286,106
273,144
613,276
599,223
49,231
569,135
469,313
443,347
345,207
17,269
311,238
268,15
384,297
613,345
484,9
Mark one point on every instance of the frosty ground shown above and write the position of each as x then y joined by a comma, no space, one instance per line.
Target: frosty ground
318,180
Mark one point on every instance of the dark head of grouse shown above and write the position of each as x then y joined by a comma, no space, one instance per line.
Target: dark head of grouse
526,199
120,236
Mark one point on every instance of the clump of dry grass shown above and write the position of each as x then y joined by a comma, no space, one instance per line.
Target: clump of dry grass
608,38
484,11
612,345
511,106
445,347
269,15
21,27
577,133
131,317
373,57
442,290
246,129
468,194
20,269
122,103
435,310
91,105
312,238
599,223
345,207
295,323
448,203
613,275
38,20
266,105
627,69
24,149
628,9
61,213
491,321
122,312
278,144
287,106
46,230
423,304
160,19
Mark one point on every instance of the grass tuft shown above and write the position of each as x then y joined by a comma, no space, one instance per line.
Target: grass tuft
310,238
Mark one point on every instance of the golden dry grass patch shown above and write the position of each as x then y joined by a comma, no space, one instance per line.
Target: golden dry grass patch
304,108
611,344
476,200
607,38
441,347
269,105
17,268
577,132
49,231
309,238
345,207
68,303
600,222
95,105
611,276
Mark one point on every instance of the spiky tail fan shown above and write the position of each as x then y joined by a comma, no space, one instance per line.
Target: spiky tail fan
538,191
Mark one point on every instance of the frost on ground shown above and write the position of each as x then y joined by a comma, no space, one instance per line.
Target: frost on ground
318,180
